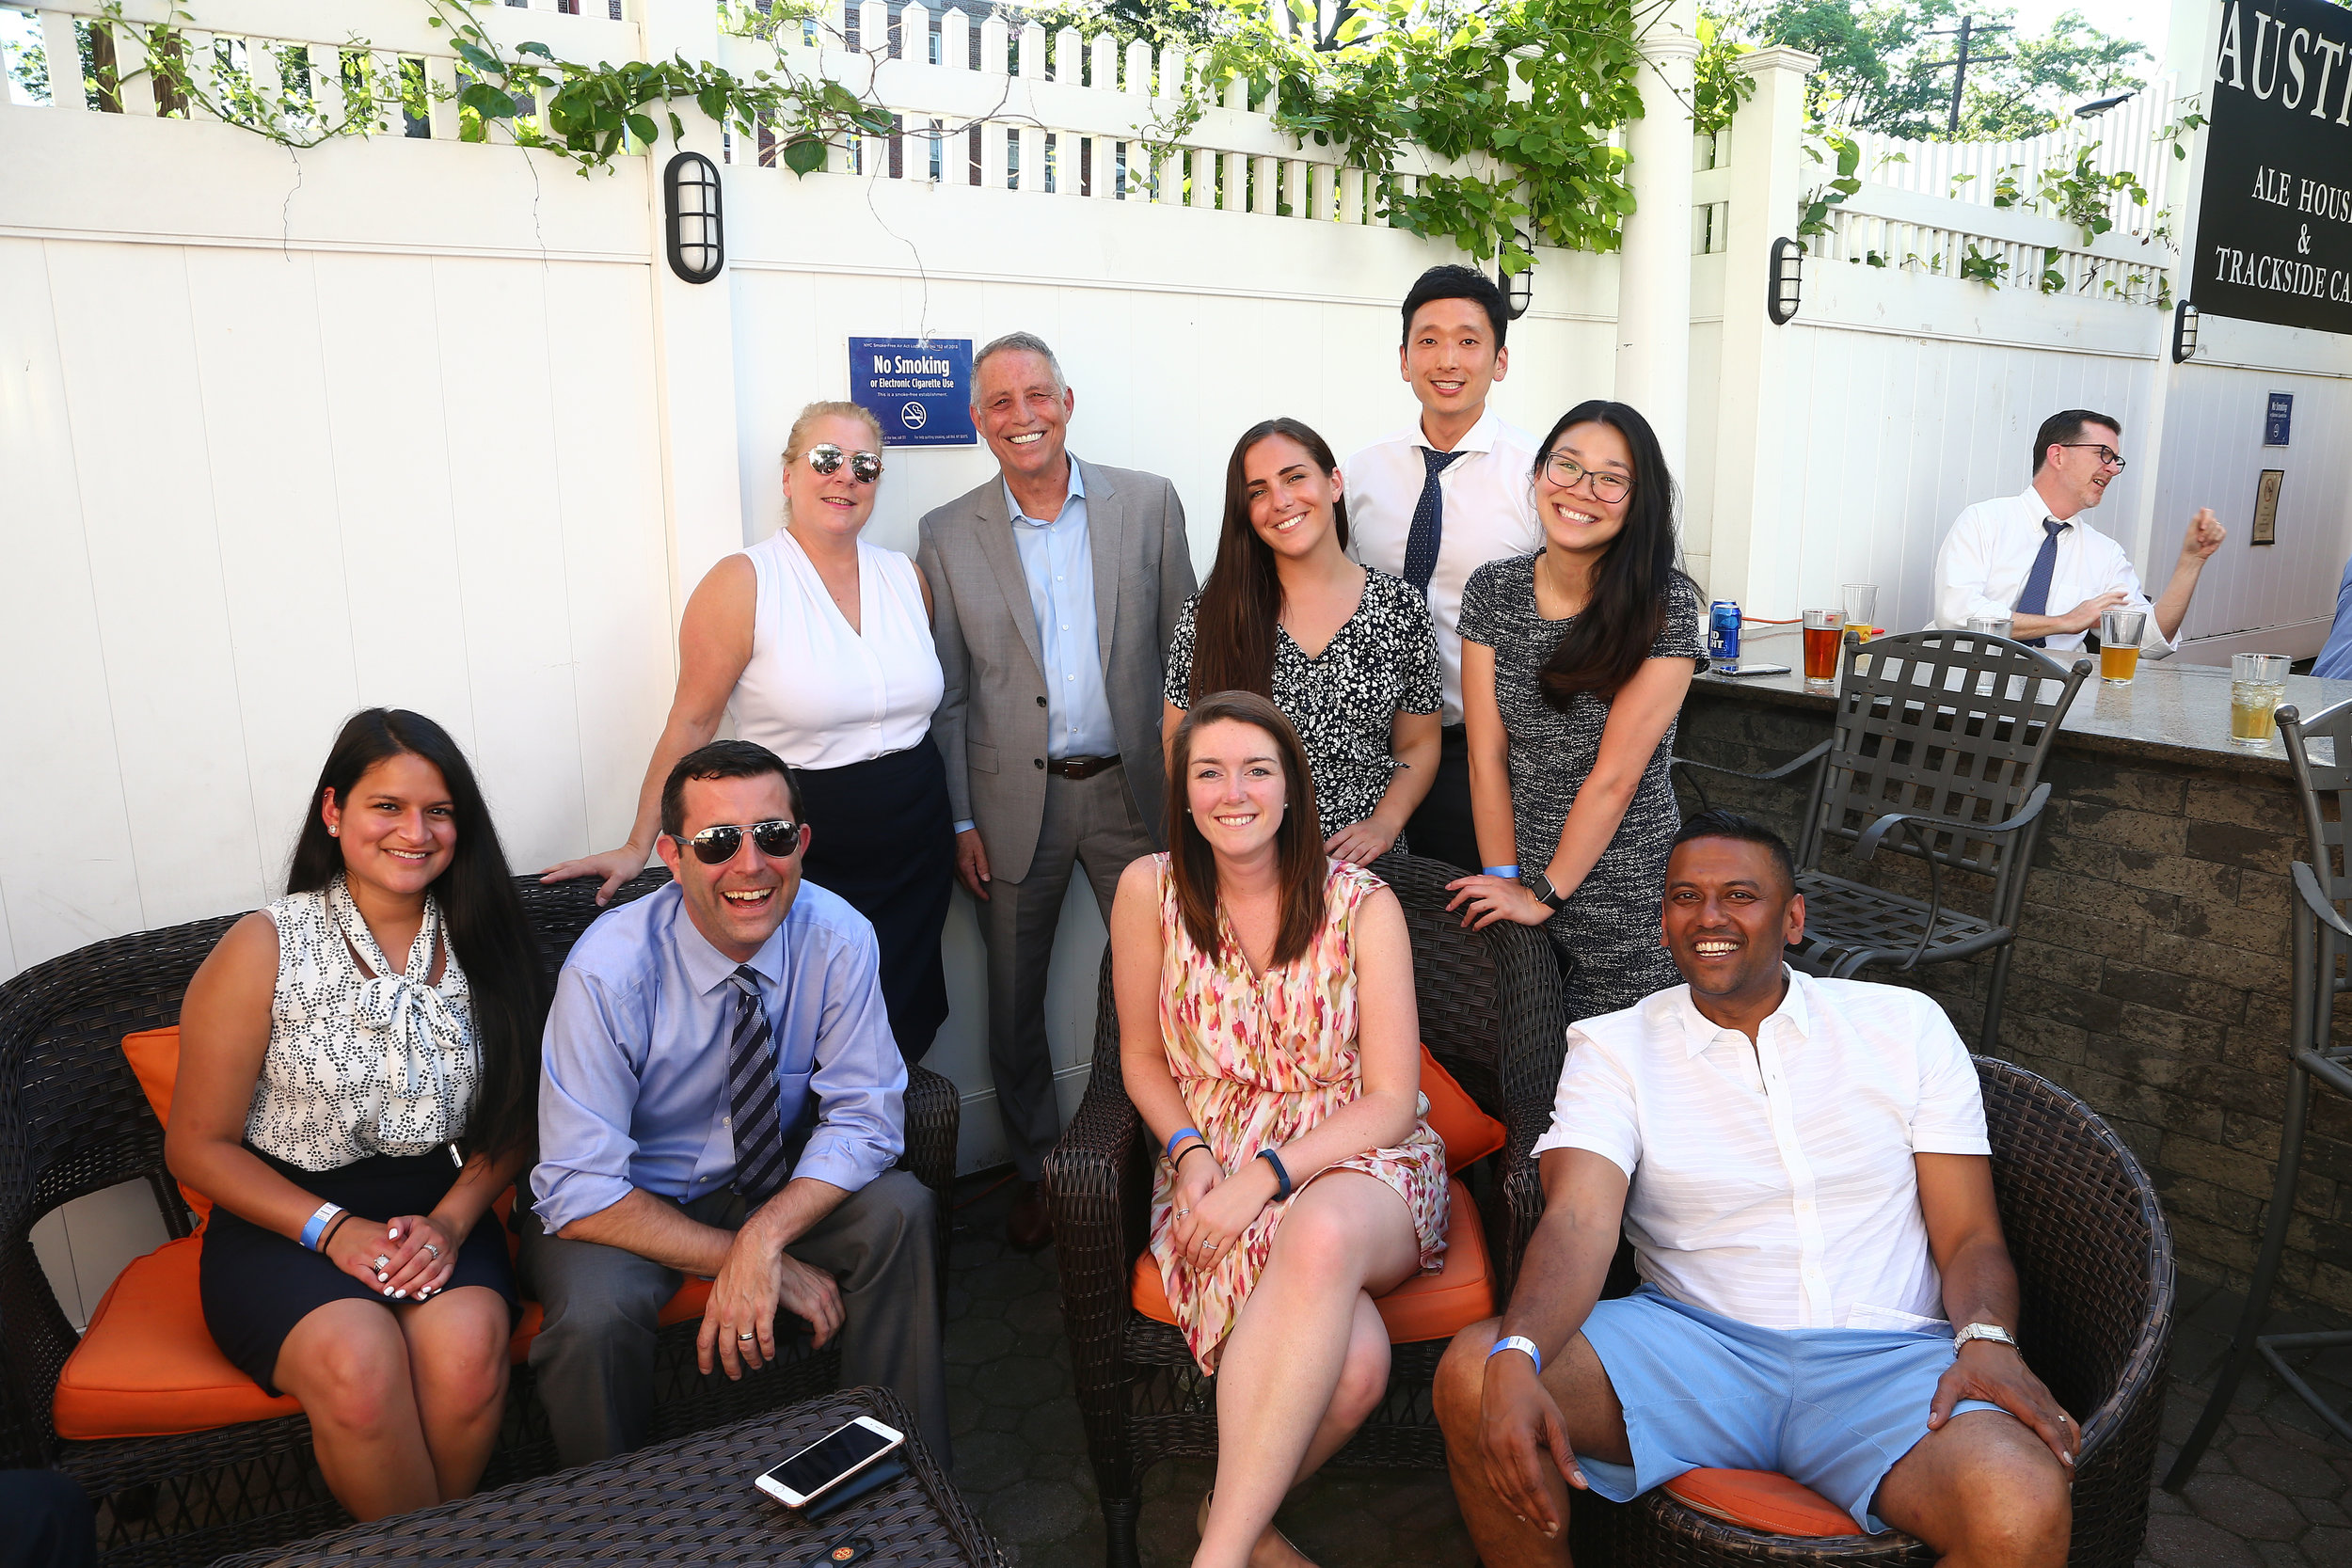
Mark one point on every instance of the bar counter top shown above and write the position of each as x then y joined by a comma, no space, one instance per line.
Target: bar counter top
2172,711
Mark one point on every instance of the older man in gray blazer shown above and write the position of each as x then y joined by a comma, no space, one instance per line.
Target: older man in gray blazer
1058,585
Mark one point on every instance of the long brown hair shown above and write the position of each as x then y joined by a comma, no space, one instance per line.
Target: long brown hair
1298,844
1233,644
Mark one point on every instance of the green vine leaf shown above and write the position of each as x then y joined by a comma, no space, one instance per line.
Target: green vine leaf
804,156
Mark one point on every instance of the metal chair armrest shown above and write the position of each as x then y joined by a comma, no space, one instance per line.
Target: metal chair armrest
1772,776
2316,899
1868,843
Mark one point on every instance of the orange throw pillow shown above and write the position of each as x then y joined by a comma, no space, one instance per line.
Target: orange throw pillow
1470,1133
1762,1500
155,1057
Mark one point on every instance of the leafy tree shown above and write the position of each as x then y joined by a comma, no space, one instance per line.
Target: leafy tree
1879,59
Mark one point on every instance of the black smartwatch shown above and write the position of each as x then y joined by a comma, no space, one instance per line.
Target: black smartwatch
1542,889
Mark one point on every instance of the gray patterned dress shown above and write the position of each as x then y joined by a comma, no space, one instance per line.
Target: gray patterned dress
1609,925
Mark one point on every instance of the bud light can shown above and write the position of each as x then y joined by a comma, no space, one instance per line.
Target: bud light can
1723,634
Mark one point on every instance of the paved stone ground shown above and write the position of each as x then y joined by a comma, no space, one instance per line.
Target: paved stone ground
2275,1491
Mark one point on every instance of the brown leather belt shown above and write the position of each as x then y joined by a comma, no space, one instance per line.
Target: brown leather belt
1080,767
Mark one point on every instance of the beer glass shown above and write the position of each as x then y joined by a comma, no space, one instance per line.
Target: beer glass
2119,644
1991,626
1824,630
2258,683
1862,608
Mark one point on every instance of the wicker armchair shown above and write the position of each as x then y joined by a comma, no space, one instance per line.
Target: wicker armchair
74,1120
1490,1011
2094,1270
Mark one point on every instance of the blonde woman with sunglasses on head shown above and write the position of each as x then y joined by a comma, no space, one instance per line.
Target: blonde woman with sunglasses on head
819,644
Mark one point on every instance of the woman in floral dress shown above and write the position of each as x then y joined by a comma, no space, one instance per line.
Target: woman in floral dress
1268,1036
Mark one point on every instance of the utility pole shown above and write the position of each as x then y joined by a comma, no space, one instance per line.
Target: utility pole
1959,63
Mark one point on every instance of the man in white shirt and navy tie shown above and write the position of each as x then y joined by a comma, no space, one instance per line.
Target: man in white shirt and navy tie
2034,559
1435,501
1801,1168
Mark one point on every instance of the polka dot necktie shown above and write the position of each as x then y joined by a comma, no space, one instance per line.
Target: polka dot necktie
2034,600
1421,544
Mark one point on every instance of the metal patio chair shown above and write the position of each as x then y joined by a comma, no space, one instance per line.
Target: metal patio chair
2317,936
1940,735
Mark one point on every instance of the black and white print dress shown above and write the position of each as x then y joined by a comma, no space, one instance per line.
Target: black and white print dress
1609,926
359,1066
1382,662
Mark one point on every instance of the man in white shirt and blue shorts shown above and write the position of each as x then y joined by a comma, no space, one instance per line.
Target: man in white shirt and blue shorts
1801,1168
2035,558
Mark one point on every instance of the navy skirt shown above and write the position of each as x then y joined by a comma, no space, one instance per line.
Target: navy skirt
886,842
257,1285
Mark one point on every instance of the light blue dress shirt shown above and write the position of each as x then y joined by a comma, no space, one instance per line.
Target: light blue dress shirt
1059,562
2335,660
633,1089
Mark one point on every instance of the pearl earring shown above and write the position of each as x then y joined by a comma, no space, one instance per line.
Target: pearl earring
334,832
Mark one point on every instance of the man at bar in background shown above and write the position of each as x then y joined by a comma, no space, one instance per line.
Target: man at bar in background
2034,559
1439,498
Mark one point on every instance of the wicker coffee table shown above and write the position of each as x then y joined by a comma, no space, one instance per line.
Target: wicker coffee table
690,1501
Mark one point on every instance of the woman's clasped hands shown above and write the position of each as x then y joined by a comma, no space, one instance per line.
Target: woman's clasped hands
1212,1208
408,1259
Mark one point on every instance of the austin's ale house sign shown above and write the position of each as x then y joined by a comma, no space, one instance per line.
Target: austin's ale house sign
2274,228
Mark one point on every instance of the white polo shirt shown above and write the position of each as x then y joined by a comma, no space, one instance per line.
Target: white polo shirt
1488,513
1774,1182
1983,562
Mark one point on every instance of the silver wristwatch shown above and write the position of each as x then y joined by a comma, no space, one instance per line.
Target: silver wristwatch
1985,1331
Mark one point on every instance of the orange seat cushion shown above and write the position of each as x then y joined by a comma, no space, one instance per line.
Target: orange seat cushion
1762,1500
154,1057
1470,1134
689,1303
148,1366
1426,1306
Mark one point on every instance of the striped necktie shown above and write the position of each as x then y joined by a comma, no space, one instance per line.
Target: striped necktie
1421,542
2034,600
760,1166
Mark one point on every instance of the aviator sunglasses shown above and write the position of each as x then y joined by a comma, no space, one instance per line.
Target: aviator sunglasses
777,839
826,458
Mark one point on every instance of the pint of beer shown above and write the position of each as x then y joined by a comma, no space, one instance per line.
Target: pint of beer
1825,629
2119,644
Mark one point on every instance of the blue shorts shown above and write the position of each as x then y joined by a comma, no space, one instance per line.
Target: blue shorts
1832,1408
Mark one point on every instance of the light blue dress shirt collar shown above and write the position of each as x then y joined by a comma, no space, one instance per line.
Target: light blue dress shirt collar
633,1090
1058,560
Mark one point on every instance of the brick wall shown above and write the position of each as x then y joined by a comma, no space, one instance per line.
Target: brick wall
2150,978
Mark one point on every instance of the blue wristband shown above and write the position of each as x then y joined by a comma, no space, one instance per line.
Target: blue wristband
1512,871
1517,1341
316,1225
1179,1136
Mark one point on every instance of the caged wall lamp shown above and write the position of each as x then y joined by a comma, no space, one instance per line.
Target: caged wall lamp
689,202
1518,288
1785,290
2184,332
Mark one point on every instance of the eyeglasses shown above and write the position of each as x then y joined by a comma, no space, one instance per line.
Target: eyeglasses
1566,471
826,458
2108,456
777,839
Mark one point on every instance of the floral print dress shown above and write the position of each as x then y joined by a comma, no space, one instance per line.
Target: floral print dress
1259,1060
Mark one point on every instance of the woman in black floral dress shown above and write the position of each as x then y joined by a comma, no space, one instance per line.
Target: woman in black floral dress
1365,699
1574,661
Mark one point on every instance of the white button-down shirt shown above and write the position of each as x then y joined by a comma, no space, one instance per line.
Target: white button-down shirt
1774,1182
1488,514
1984,561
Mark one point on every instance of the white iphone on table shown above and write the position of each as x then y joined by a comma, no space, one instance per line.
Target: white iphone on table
831,1460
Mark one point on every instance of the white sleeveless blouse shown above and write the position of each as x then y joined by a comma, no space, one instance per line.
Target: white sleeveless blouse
819,694
358,1067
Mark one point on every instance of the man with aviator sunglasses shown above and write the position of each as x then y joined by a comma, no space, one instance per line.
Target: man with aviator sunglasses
722,1097
2034,558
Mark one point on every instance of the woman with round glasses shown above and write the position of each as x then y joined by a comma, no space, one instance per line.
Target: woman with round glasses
357,1082
819,643
1574,661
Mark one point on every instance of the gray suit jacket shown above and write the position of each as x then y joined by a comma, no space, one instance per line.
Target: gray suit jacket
991,724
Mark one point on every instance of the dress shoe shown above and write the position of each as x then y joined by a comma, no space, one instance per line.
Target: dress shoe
1028,1227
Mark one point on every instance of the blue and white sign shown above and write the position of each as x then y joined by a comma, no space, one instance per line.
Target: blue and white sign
919,388
2279,422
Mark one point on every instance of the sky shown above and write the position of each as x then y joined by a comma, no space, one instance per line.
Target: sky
2143,22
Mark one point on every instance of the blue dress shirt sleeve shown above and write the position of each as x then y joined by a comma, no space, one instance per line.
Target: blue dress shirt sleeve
595,1051
859,1078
